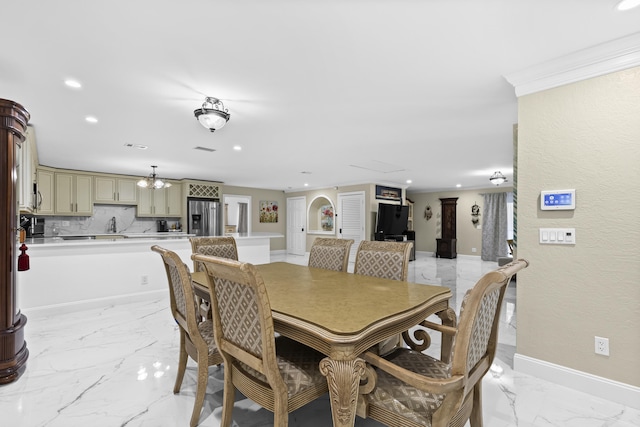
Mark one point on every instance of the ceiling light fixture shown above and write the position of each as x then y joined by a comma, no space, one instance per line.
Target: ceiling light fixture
627,4
91,119
497,178
212,115
153,181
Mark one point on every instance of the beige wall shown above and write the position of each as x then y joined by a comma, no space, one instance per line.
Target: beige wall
256,226
468,236
585,136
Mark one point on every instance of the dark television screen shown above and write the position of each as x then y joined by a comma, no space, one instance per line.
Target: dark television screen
392,219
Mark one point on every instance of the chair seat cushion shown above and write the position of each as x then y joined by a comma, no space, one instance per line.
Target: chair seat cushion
396,396
298,365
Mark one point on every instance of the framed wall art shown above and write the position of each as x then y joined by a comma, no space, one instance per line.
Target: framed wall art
268,211
388,193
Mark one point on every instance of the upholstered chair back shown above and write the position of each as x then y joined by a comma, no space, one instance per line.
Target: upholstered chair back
330,254
387,260
223,247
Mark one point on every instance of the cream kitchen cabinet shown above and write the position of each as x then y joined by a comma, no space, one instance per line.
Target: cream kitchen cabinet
26,172
113,190
73,194
163,202
44,202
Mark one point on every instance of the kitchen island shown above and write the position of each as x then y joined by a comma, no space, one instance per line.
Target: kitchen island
73,272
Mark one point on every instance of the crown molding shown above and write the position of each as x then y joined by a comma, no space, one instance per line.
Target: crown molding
605,58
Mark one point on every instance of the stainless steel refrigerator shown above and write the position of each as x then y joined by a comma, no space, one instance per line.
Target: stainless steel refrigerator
204,217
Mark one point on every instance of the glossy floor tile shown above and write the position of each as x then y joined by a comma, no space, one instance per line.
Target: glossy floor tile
115,366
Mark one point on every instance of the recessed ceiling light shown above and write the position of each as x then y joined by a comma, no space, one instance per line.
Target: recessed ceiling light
91,119
73,83
306,184
458,185
237,148
628,4
409,181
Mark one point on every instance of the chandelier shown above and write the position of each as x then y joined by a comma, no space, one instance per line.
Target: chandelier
153,181
497,178
212,115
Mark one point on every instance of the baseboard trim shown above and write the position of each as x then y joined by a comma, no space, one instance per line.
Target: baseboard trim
71,307
604,388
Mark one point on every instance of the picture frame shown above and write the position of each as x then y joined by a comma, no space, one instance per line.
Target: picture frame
388,193
268,211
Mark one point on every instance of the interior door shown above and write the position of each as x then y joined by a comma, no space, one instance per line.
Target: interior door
351,219
296,220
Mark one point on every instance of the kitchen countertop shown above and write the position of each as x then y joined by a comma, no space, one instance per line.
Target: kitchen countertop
129,238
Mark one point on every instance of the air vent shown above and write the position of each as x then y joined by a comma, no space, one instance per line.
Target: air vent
138,146
210,150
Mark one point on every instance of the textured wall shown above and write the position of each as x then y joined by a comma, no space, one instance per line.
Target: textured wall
585,136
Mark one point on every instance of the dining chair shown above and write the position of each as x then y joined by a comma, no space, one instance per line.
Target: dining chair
388,260
279,374
196,337
223,247
330,254
412,389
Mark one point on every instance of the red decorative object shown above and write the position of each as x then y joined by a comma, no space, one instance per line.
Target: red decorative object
23,258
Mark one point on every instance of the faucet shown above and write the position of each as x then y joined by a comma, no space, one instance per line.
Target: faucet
112,225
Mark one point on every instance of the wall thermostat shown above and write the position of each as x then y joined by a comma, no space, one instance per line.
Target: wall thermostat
558,200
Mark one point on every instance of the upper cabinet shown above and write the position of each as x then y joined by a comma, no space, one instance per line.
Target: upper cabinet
113,190
163,202
26,162
73,194
44,203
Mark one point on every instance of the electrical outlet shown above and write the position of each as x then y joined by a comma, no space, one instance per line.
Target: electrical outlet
144,279
602,346
473,250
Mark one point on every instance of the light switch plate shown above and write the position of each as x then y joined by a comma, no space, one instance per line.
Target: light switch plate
558,236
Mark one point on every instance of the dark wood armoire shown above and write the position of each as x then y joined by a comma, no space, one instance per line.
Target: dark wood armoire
446,246
13,348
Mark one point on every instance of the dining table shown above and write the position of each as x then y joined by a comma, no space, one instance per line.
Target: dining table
342,315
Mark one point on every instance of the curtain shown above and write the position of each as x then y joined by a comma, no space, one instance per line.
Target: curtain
243,217
494,226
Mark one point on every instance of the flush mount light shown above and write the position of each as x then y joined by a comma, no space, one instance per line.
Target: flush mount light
627,4
237,148
153,181
212,115
91,119
497,178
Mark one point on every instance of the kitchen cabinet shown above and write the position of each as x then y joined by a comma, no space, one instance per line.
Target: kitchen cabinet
163,202
113,190
26,172
44,203
174,200
73,194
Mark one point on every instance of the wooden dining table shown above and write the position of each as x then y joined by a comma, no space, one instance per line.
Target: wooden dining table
341,315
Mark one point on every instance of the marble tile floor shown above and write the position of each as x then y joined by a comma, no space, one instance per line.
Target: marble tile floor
115,366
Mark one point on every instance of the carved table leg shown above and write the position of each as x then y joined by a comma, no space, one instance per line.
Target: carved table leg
343,378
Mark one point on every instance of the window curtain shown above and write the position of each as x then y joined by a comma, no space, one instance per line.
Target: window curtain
243,217
494,226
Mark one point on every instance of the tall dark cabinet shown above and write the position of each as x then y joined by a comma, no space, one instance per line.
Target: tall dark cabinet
446,246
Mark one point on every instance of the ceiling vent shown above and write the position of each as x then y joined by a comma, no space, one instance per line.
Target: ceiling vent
209,150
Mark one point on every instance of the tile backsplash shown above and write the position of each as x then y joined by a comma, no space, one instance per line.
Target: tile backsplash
126,221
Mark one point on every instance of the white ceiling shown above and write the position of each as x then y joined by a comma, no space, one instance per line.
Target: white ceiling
348,91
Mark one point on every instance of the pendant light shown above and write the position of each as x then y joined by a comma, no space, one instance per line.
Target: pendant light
153,181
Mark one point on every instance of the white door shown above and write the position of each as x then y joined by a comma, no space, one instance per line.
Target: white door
296,220
351,219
